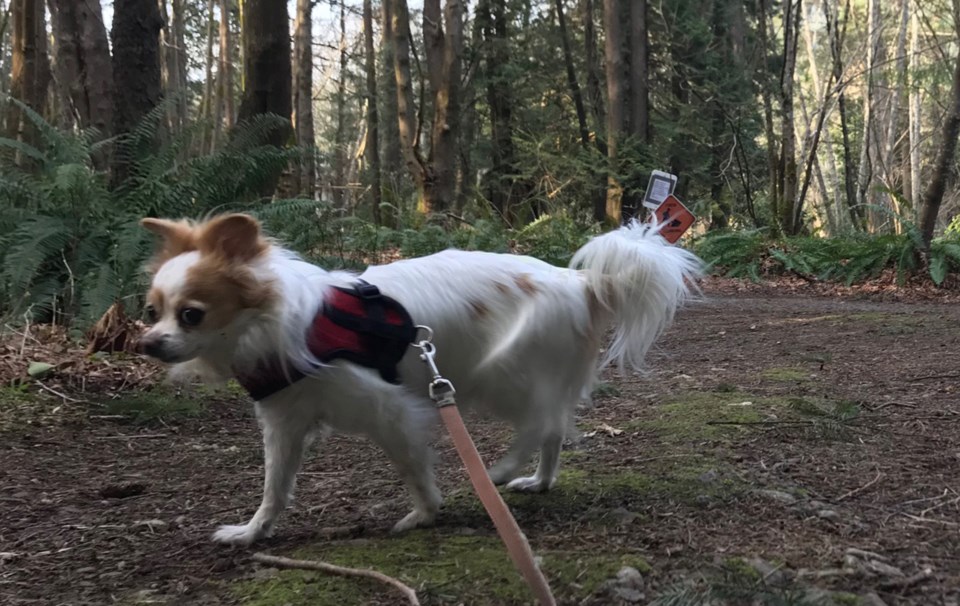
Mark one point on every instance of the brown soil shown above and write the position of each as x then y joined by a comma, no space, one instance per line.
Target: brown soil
813,425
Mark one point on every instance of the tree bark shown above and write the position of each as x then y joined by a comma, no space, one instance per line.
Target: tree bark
893,119
136,71
267,77
618,95
766,94
30,66
170,68
392,157
502,177
303,97
836,30
790,220
225,66
595,96
372,145
914,114
399,19
444,50
208,144
572,77
340,138
942,166
865,172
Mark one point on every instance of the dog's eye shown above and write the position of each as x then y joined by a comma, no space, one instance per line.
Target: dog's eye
191,316
151,313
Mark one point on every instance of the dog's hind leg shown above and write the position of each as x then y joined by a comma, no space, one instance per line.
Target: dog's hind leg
284,441
519,453
547,468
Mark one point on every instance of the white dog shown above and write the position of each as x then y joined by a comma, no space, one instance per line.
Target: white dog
516,336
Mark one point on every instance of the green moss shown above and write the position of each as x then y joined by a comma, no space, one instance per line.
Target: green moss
688,416
606,390
154,404
443,569
842,598
785,375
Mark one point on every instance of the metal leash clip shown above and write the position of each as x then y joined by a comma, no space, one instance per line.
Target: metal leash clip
441,390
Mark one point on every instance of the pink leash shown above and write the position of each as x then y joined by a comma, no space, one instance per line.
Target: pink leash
442,392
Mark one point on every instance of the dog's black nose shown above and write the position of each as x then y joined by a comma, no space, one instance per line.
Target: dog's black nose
153,347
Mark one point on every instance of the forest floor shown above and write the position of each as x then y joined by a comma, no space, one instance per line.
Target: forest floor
791,445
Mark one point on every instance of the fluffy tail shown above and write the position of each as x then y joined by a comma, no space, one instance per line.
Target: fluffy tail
641,280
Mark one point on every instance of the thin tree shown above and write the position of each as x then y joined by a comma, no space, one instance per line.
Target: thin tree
435,174
790,220
303,96
30,66
618,96
595,97
916,176
864,174
943,163
836,30
372,145
83,61
225,65
340,136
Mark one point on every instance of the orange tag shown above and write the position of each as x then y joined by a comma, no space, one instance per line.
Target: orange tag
675,217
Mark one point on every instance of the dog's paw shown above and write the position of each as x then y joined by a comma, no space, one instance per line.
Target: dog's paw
415,519
530,484
500,476
245,534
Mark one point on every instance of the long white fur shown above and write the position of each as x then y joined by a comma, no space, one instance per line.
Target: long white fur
518,338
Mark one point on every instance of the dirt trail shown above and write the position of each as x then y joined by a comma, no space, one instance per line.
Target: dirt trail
782,448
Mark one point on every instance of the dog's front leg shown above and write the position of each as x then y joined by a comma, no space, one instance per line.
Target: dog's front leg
284,440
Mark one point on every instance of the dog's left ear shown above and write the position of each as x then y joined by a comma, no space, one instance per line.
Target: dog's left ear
236,237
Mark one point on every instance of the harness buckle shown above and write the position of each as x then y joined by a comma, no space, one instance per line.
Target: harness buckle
366,291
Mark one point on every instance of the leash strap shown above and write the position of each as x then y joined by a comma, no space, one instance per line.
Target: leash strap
442,393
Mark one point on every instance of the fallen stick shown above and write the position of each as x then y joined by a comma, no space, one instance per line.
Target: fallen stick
281,562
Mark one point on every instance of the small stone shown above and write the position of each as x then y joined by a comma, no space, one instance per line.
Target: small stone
629,576
709,477
872,599
828,514
778,495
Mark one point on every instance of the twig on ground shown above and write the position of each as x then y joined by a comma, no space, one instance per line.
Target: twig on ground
928,377
859,490
281,562
63,396
136,436
909,581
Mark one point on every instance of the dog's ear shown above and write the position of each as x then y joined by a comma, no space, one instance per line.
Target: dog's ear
176,238
236,237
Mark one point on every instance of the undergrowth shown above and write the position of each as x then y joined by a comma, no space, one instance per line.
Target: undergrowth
850,259
71,244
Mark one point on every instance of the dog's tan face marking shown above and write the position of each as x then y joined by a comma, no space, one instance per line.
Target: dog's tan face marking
203,283
526,284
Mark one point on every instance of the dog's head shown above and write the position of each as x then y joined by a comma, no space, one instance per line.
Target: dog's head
204,286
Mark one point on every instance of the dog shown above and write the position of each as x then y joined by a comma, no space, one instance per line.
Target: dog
517,337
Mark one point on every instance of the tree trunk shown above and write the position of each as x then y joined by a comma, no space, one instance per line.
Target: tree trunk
893,120
766,94
572,77
618,95
943,163
267,78
136,70
444,50
502,176
340,138
169,69
865,172
179,38
399,18
303,97
790,220
836,31
639,117
392,157
916,176
207,143
30,66
595,96
372,145
225,66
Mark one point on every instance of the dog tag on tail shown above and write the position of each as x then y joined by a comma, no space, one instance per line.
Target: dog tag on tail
675,217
